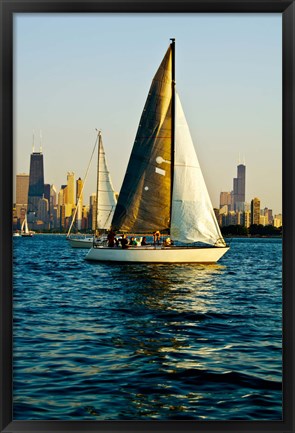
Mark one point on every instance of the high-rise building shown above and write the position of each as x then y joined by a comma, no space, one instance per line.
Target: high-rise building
79,201
60,203
239,188
246,218
53,197
92,211
22,189
278,220
43,208
255,211
268,214
64,189
47,191
79,187
69,195
36,182
70,188
225,199
47,196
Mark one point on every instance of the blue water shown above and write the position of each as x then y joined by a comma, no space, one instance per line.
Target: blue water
147,342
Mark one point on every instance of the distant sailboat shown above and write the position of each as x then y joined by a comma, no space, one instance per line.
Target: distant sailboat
105,202
24,231
164,188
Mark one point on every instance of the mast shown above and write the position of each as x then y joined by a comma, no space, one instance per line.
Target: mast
97,182
33,141
172,120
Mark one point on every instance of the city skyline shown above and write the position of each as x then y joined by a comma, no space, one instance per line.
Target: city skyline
229,80
234,200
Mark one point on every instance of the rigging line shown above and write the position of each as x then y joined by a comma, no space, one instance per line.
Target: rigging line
110,213
82,189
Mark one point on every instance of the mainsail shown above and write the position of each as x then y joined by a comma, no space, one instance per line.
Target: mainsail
144,200
106,199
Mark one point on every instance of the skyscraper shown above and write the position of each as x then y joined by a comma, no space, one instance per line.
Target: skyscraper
255,211
53,207
239,188
47,196
43,208
69,195
61,205
22,189
225,199
36,182
70,188
53,198
79,201
79,186
92,212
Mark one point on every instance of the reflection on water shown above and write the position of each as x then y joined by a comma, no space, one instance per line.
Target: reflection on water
110,341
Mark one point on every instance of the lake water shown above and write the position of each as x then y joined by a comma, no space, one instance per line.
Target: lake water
97,341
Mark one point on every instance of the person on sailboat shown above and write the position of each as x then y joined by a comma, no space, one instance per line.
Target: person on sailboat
143,242
132,241
157,237
124,241
111,238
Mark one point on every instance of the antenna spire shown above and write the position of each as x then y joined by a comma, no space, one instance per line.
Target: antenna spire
40,141
33,141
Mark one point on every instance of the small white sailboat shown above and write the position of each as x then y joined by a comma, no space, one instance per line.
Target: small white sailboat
164,188
24,231
81,242
105,203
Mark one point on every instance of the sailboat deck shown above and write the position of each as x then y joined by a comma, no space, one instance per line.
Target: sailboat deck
154,247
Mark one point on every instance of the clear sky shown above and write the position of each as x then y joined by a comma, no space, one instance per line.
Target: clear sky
77,72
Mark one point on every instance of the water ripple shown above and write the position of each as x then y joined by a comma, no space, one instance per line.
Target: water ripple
97,341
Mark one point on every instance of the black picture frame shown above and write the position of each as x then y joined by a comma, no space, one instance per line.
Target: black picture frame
10,7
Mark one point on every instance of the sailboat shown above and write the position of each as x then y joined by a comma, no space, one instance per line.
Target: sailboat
105,203
24,230
163,188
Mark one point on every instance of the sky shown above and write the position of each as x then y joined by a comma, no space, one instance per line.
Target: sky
74,73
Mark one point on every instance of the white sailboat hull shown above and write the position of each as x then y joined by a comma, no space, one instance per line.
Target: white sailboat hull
152,254
81,243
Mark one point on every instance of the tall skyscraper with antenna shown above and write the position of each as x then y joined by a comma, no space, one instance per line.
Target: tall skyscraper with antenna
239,188
36,180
